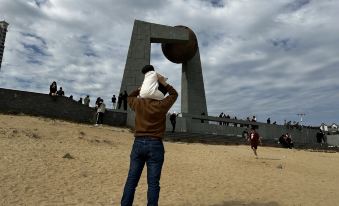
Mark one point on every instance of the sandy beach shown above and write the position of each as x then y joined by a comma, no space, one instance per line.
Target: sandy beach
34,172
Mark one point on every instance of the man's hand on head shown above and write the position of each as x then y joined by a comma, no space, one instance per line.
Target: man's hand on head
162,80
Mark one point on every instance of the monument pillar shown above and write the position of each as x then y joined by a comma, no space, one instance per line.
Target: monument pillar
193,99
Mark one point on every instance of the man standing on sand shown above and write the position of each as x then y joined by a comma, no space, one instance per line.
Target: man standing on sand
150,125
254,139
173,119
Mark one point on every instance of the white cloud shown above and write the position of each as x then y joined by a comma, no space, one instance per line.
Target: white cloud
269,58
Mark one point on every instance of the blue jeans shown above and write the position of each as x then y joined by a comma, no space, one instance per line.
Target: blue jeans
151,152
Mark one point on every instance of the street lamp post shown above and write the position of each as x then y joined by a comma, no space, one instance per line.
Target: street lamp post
301,118
301,125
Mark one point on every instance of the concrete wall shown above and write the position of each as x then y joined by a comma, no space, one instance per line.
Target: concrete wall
267,131
333,140
13,101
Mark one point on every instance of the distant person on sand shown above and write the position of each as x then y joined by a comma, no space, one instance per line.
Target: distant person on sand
286,141
60,92
245,134
282,141
114,100
53,89
289,141
150,86
320,137
148,148
87,101
101,108
173,119
254,139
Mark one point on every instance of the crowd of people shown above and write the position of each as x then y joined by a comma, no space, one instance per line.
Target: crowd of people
119,103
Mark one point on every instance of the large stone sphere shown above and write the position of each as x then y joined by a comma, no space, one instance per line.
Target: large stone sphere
181,52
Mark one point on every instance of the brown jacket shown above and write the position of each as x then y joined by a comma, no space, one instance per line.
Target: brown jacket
150,114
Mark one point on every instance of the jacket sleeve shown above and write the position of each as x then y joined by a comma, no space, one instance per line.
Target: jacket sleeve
170,99
132,99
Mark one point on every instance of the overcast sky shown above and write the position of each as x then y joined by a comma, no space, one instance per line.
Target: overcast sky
259,57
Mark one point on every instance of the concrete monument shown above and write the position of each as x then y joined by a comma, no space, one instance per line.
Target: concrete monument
179,45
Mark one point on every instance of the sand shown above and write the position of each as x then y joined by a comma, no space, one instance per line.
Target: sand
34,172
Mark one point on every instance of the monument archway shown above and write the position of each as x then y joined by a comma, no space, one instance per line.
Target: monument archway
179,45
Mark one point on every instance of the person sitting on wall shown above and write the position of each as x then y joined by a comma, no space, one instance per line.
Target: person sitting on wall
53,89
60,92
80,100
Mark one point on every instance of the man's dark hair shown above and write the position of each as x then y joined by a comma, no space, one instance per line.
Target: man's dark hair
147,68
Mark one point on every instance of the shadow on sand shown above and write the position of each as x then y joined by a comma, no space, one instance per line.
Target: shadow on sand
240,203
268,158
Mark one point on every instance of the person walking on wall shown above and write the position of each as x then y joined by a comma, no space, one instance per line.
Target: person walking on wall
148,148
114,100
101,108
119,100
87,101
268,120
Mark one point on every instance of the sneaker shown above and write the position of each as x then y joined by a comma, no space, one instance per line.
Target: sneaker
96,125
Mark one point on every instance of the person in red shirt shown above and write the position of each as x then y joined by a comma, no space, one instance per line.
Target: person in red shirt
254,139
